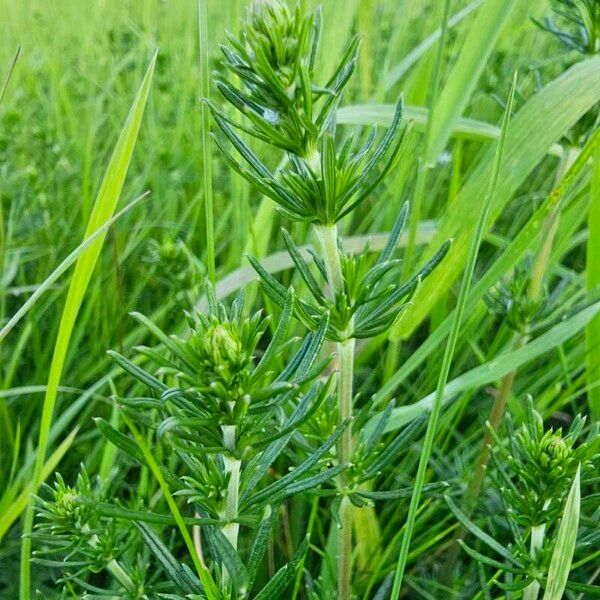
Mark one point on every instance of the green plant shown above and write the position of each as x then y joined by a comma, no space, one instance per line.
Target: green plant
535,478
219,412
322,182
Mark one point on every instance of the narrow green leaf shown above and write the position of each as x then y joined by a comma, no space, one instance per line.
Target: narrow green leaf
103,209
280,261
231,561
279,582
562,556
397,72
63,266
467,277
592,271
180,577
208,584
282,483
480,534
383,114
550,117
10,73
260,544
499,366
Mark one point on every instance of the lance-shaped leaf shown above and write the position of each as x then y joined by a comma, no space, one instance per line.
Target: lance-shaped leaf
564,548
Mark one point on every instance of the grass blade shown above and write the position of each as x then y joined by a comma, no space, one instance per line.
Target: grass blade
449,354
592,332
496,368
545,113
562,556
10,72
103,210
382,114
64,265
462,79
205,138
397,72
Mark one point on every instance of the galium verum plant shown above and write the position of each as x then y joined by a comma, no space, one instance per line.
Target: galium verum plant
321,179
226,403
226,416
531,475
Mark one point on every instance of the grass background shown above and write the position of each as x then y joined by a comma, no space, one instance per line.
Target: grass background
80,65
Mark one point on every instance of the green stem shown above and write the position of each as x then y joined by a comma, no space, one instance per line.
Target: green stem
537,541
327,237
230,511
205,139
120,575
346,374
311,524
495,420
115,569
231,530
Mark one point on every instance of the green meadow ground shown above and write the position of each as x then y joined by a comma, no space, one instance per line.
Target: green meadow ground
80,65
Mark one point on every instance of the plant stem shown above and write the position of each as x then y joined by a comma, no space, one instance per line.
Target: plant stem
495,420
537,541
120,575
327,237
346,357
230,512
231,530
115,569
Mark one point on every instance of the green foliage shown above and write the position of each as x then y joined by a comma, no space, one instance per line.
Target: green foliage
534,471
577,25
372,299
272,445
535,478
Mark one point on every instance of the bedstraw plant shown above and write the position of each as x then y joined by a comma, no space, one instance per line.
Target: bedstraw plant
323,178
225,414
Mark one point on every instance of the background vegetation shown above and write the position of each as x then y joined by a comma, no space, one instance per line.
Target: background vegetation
78,72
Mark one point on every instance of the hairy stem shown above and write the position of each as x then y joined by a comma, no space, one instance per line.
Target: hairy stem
327,237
